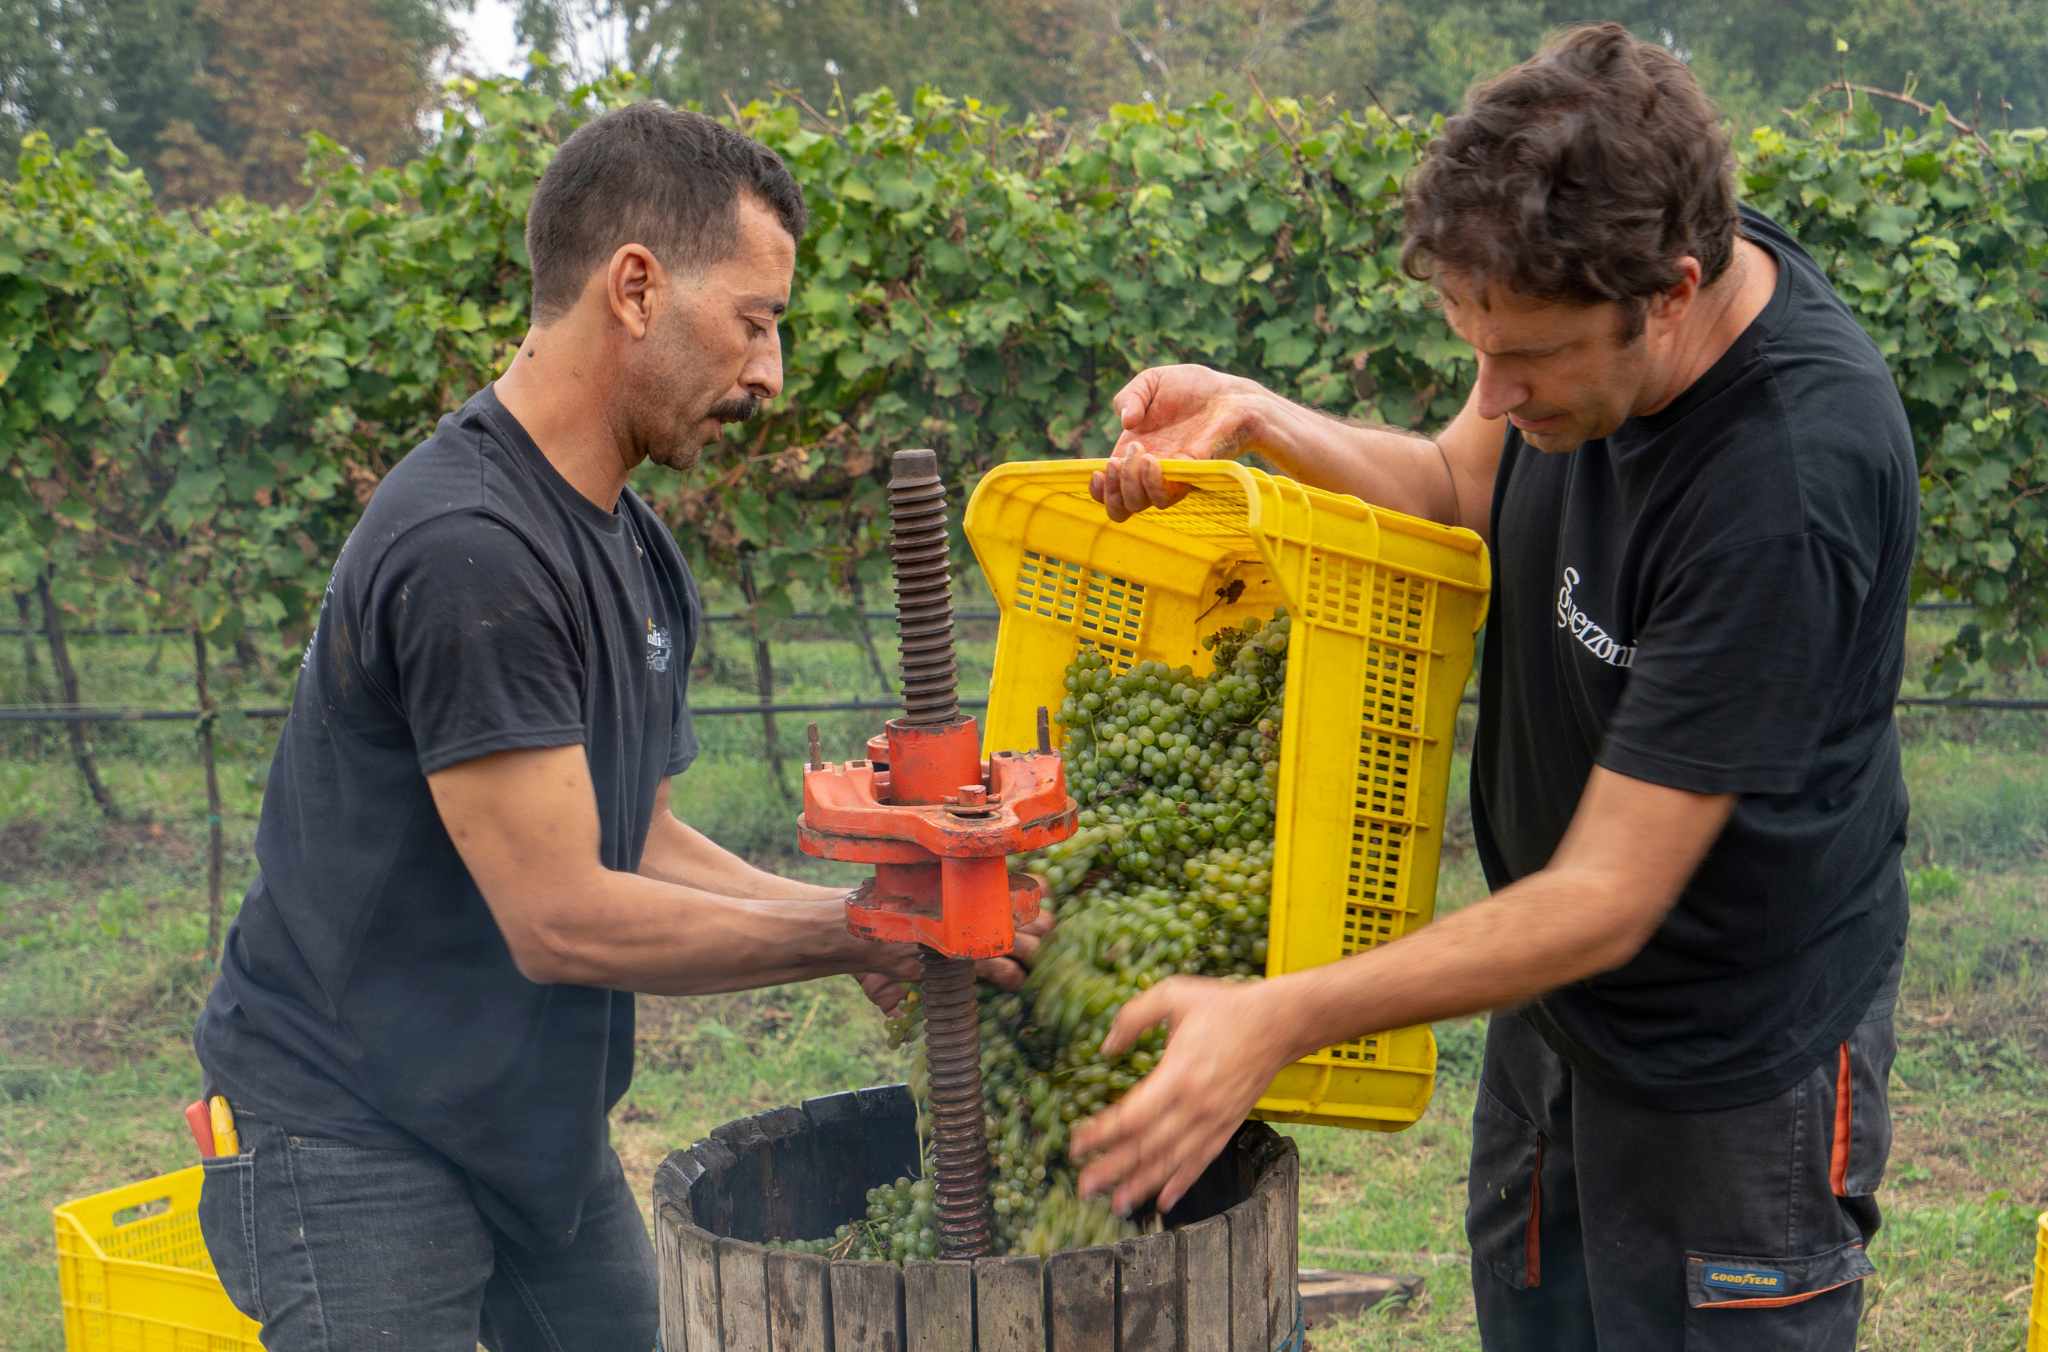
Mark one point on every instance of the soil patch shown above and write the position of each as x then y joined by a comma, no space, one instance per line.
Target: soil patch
158,1007
670,1031
88,854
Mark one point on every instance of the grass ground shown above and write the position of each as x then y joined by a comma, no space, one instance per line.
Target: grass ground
102,966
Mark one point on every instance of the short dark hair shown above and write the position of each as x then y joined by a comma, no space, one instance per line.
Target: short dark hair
1582,175
650,174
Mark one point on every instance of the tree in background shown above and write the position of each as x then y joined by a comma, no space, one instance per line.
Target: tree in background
1759,57
128,66
582,40
1031,55
213,96
278,69
217,96
703,50
1756,56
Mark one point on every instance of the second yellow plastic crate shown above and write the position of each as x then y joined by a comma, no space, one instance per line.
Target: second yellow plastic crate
133,1274
1384,609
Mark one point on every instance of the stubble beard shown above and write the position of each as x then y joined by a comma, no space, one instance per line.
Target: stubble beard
669,445
681,451
680,456
1551,443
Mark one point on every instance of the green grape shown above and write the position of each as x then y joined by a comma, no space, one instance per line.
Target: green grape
907,1022
1169,871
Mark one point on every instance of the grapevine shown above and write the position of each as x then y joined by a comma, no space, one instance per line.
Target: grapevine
1169,870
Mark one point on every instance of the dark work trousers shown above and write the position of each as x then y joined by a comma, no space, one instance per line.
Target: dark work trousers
1600,1222
338,1248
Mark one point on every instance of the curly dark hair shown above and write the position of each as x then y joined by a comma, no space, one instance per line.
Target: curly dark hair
647,173
1582,175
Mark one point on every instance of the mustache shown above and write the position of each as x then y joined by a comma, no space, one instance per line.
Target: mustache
743,409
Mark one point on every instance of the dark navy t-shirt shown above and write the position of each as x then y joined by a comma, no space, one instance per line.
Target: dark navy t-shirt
1714,599
481,604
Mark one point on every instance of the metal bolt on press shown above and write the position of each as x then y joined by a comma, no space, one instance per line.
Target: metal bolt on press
939,822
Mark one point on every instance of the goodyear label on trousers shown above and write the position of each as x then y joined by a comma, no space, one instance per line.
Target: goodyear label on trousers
1749,1280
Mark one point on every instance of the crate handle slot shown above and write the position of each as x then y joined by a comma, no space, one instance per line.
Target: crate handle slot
142,1211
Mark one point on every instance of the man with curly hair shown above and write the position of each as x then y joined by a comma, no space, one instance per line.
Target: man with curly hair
1700,491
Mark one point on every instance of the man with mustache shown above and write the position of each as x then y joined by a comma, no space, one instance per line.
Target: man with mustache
1699,486
467,862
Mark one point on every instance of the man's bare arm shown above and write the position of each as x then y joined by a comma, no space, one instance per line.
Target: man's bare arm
1631,848
525,824
1629,852
677,852
1446,478
1194,413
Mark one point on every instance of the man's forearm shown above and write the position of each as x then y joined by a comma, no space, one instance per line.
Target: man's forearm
1603,895
1546,931
679,853
1404,471
630,932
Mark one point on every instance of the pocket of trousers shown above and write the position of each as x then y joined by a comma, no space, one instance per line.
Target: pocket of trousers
1504,1193
227,1222
1763,1304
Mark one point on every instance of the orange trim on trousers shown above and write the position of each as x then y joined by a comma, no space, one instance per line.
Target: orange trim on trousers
1838,1162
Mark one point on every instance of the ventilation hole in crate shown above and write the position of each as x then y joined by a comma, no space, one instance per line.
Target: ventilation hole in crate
1112,618
1334,592
1048,587
1386,769
1394,611
1365,1049
1400,607
1393,682
1372,909
1212,514
172,1240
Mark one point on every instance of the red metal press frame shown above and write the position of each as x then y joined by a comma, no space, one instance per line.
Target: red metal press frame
938,823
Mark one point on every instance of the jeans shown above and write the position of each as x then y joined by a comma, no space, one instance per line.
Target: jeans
1601,1222
340,1248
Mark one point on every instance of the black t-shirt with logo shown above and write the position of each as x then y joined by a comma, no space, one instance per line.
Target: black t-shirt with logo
481,604
1714,599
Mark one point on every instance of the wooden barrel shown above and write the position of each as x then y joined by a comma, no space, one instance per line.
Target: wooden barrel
1221,1280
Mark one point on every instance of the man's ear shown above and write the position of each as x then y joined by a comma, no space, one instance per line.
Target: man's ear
631,281
1672,302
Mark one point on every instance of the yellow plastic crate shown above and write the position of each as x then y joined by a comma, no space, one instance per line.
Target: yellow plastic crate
1384,606
134,1274
2037,1324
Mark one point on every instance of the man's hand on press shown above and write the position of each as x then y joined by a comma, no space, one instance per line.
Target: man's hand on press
1222,1050
1170,413
887,988
884,989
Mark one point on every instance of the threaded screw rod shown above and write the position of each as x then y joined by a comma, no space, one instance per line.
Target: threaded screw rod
924,588
952,1021
952,1032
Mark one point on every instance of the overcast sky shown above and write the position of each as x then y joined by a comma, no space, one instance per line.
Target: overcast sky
489,46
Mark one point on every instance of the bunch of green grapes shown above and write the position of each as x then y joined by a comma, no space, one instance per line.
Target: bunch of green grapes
1169,870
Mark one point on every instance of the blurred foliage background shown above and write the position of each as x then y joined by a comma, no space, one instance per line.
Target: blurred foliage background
216,96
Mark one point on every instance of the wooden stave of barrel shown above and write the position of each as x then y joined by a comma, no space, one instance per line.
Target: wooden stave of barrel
1222,1279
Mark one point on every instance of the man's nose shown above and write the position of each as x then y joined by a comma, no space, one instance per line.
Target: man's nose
1498,393
762,375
